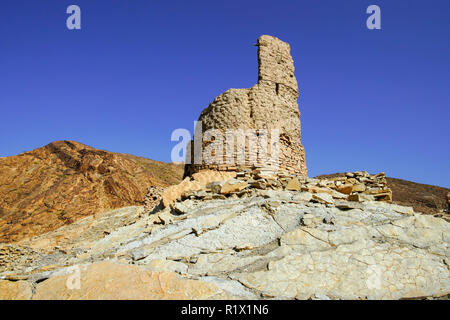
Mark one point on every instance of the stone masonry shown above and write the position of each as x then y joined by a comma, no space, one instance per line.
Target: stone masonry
270,104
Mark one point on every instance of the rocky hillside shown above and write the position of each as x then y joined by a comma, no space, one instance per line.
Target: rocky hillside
422,197
55,185
254,236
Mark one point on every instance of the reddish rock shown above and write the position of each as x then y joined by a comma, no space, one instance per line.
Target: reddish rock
46,188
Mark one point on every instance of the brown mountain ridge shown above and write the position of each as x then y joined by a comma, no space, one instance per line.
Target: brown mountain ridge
64,181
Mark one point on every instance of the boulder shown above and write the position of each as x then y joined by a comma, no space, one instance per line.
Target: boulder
233,186
346,188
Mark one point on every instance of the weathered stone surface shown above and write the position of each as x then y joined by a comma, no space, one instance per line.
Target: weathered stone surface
216,263
167,265
404,265
302,196
293,185
107,281
315,189
346,188
323,198
371,271
206,176
231,287
15,290
270,104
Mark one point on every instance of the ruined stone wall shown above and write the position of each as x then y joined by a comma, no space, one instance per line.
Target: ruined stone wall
270,104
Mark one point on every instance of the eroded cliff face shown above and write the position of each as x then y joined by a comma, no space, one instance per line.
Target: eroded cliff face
270,104
55,185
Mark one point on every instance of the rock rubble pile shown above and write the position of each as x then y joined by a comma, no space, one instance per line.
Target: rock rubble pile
207,185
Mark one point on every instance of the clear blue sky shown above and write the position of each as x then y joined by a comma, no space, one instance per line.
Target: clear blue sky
374,100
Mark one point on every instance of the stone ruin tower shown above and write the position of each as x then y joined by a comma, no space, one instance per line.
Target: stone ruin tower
270,104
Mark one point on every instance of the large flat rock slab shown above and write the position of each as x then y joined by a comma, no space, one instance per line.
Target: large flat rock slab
106,281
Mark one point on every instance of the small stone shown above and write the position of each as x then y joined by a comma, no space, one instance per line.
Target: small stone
15,290
309,220
16,277
356,197
183,207
50,267
359,188
233,186
323,198
240,174
259,184
337,195
386,196
293,185
165,218
346,188
347,205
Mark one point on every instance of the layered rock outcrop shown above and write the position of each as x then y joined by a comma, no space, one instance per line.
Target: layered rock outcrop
255,236
269,105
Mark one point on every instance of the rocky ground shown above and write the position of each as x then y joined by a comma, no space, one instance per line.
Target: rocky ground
254,236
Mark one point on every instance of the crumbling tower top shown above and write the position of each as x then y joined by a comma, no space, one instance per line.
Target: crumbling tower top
275,63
